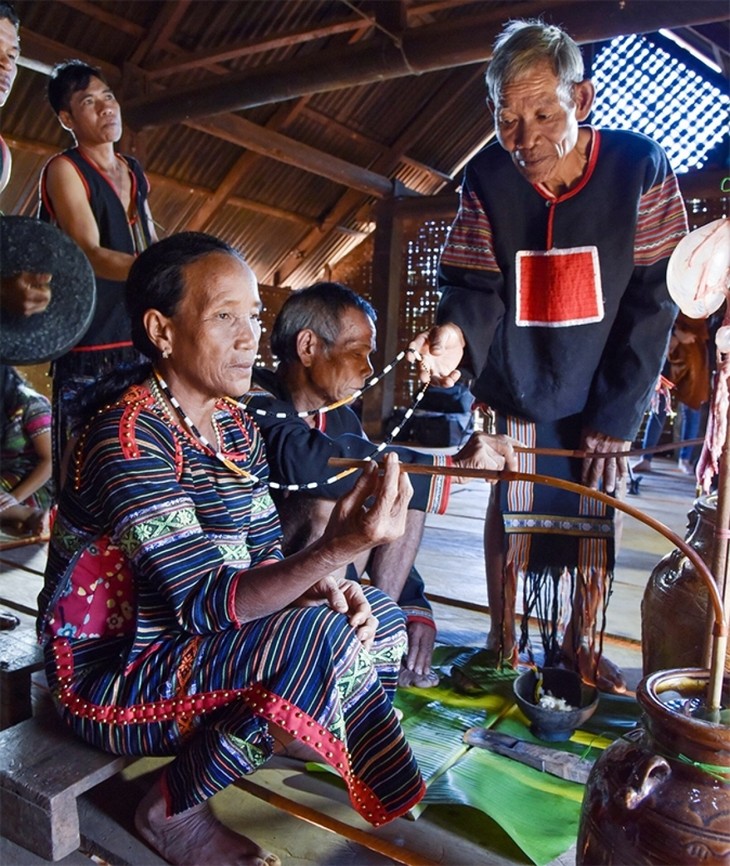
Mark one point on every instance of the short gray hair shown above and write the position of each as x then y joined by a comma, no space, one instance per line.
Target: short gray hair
522,44
318,308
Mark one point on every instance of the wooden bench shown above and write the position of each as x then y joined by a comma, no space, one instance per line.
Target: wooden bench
20,656
43,769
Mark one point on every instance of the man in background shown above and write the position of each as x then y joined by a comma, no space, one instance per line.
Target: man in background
323,338
100,199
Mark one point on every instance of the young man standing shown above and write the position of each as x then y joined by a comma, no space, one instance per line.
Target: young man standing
99,198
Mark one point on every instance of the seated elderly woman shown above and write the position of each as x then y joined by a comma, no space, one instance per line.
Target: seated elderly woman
171,623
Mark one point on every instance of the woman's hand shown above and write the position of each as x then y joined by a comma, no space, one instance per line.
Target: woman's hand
373,513
344,596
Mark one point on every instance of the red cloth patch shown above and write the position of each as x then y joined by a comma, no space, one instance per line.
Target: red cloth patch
557,288
101,601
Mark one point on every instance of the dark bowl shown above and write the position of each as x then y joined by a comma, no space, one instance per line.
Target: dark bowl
555,725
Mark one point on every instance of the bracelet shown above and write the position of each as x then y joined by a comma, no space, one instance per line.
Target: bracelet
7,500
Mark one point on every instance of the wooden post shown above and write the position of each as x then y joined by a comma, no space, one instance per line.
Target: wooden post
385,295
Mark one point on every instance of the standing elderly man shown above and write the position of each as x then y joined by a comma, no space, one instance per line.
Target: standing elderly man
99,198
323,337
554,297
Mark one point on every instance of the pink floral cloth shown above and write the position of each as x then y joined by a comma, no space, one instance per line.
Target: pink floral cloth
101,602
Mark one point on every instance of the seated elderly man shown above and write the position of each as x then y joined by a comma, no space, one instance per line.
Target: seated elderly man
323,338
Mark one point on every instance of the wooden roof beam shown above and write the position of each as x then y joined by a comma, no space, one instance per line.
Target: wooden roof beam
283,40
351,200
98,14
443,45
163,26
276,146
40,49
245,163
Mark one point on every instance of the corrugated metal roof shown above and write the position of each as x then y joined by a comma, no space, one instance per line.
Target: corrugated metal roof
300,179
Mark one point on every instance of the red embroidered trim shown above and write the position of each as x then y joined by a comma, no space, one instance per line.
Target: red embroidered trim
127,439
262,702
414,617
156,711
332,750
102,346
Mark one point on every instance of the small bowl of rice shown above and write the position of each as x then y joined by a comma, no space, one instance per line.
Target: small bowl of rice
555,701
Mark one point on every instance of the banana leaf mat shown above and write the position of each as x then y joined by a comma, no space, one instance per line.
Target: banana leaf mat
537,811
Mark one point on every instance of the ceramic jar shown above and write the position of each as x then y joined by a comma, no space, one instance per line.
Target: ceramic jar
674,607
661,794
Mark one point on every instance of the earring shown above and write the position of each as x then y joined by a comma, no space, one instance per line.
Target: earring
166,352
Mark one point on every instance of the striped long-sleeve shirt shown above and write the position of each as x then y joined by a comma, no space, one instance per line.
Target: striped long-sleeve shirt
186,528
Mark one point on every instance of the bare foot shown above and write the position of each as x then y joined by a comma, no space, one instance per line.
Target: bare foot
195,836
506,653
608,678
427,680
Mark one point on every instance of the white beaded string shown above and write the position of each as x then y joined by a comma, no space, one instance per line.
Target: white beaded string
308,413
310,485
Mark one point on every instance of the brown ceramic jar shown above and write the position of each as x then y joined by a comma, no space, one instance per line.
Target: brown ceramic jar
661,794
674,607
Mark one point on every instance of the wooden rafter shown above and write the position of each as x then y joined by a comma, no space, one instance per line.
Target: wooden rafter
351,201
94,11
272,144
243,165
443,45
161,31
295,37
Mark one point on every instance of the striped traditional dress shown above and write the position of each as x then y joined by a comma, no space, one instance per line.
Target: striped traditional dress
143,648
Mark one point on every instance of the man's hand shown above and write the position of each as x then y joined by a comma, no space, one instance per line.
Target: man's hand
346,597
487,451
25,294
612,471
441,350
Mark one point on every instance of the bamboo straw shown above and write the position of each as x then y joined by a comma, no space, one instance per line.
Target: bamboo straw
717,644
634,452
719,629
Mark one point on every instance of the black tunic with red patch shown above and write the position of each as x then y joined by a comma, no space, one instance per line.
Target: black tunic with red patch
563,300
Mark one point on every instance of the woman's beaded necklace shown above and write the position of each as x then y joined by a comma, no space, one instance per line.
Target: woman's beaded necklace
159,385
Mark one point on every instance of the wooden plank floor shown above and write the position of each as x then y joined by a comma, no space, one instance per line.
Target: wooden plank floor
451,562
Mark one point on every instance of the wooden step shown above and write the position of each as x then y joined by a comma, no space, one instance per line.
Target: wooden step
43,769
20,656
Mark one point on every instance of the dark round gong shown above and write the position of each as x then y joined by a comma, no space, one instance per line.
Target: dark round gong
31,245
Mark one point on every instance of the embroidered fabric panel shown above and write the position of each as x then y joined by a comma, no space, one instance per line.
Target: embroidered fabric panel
174,520
558,288
593,527
662,223
469,242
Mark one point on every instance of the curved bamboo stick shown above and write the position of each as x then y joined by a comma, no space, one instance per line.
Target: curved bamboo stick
719,629
347,831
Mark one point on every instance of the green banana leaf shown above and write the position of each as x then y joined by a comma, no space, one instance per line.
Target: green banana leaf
538,811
